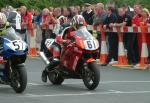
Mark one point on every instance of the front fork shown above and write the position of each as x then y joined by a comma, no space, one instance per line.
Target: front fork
85,65
8,67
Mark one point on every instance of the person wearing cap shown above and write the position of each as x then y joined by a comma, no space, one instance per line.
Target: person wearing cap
88,14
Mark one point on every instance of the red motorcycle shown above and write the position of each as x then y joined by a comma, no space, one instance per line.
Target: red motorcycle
77,60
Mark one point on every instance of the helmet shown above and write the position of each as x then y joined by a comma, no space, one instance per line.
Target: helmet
78,21
3,21
62,20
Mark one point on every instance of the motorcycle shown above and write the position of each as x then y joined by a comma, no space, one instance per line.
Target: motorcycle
77,59
13,54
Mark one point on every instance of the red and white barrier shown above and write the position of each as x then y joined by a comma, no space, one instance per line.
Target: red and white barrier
122,61
126,29
121,52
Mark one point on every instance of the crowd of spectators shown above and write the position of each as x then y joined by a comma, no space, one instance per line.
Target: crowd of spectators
108,15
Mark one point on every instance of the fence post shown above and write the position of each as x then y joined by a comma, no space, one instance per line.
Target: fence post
104,51
144,51
122,59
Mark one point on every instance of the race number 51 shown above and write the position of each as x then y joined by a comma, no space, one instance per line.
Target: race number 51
18,45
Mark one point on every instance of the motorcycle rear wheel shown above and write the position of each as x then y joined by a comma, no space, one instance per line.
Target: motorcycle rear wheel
91,76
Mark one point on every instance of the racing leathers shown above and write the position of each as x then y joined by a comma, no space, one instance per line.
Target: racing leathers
55,48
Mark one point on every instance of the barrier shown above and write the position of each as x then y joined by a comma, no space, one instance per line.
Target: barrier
144,50
125,29
122,60
104,51
32,43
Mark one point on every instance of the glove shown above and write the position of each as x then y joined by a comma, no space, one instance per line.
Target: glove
66,42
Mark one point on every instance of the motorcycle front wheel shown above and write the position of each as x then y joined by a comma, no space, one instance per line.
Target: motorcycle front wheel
19,79
55,78
91,75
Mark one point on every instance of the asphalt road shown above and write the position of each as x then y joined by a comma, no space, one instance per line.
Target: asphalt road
116,86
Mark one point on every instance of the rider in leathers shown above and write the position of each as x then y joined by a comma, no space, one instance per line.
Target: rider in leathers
6,30
76,23
55,47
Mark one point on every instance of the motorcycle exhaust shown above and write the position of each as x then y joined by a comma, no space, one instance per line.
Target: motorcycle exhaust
44,58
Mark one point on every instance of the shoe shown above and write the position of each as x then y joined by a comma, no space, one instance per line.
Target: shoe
44,76
105,64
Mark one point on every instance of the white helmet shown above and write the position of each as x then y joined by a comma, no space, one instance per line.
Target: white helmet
78,21
62,20
3,21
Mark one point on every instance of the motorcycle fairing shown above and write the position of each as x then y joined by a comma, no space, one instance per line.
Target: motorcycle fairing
70,57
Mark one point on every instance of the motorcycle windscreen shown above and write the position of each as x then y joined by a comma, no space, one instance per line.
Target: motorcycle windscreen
11,34
86,39
83,33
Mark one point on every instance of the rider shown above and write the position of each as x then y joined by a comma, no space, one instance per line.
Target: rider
76,23
5,29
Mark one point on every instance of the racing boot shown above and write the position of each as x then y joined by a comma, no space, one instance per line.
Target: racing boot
48,68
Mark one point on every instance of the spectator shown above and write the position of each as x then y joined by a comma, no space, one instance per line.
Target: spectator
88,14
110,4
65,11
72,10
100,14
76,10
123,19
82,10
44,26
99,18
51,9
126,20
57,12
3,10
38,17
129,11
147,14
136,37
146,21
37,21
26,23
70,16
137,16
112,37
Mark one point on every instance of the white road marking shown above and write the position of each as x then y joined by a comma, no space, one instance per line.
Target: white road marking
34,84
84,94
4,86
103,82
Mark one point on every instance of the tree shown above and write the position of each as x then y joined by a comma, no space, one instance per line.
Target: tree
47,3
